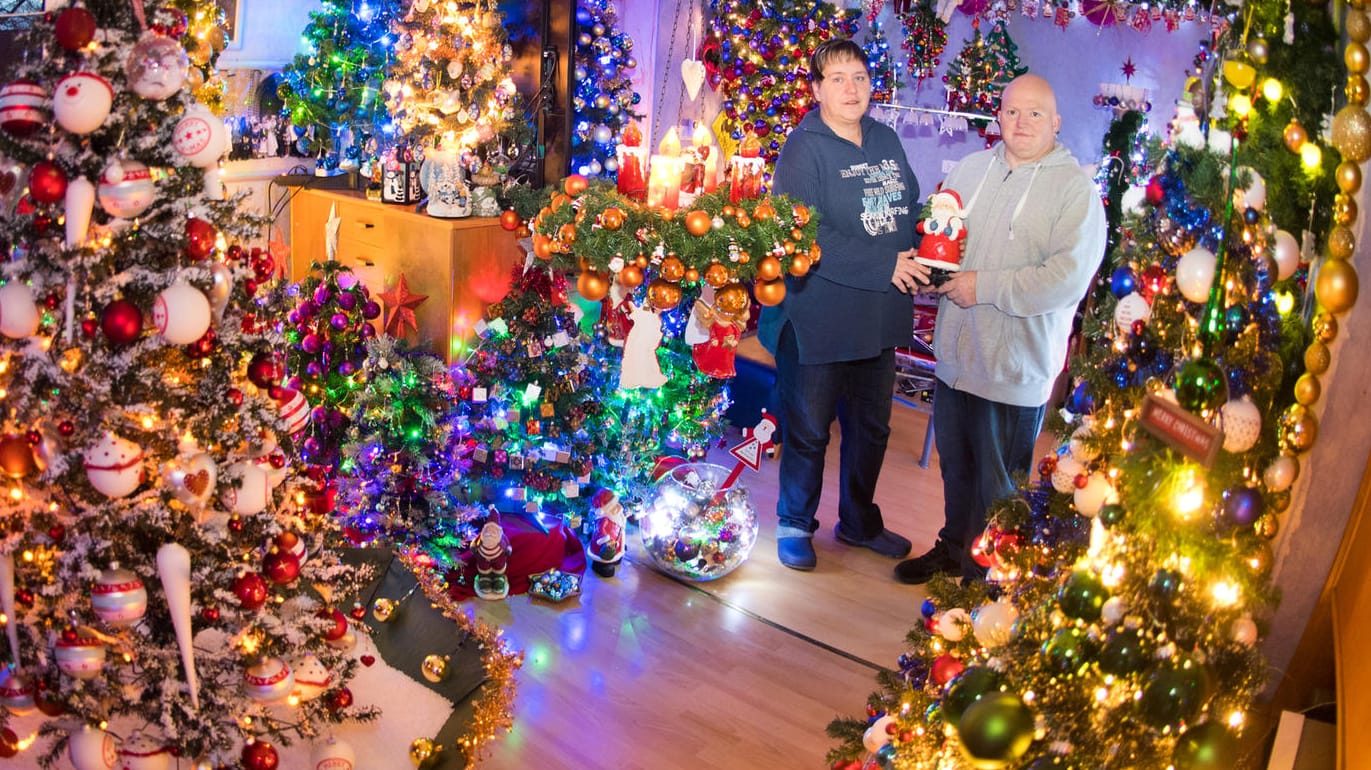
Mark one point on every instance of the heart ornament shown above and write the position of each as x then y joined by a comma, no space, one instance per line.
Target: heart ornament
192,478
693,73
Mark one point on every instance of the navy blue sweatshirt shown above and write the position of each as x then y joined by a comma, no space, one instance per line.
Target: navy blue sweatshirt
846,308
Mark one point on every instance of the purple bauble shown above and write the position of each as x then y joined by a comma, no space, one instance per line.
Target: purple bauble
338,321
318,414
346,368
1243,506
323,294
368,331
313,370
347,300
294,318
295,383
307,310
312,343
311,445
371,310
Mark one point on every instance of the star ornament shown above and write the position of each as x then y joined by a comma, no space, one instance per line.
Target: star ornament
1129,69
399,305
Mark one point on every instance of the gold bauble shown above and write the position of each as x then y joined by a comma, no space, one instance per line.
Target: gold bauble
1307,389
1239,73
1356,57
1267,526
1258,49
1317,358
769,293
423,752
672,268
768,268
1325,327
1295,136
799,265
1357,90
435,668
383,609
16,457
663,294
592,286
1258,557
1352,133
630,277
1336,285
716,275
1344,209
1358,26
731,299
1342,243
1278,501
1348,176
1297,429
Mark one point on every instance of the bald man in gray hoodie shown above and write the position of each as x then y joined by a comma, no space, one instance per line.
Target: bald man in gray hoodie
1035,238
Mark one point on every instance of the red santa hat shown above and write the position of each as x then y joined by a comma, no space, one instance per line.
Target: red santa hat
948,199
603,498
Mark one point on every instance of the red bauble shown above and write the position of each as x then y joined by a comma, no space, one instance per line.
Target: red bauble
339,699
266,370
281,568
251,590
210,614
89,326
945,668
235,396
47,182
9,744
200,238
358,611
339,627
1155,192
75,28
121,322
57,532
49,701
260,755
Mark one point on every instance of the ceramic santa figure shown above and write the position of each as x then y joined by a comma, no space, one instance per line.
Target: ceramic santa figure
608,524
491,551
944,234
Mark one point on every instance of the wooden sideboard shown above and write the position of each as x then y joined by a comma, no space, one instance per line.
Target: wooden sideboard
462,265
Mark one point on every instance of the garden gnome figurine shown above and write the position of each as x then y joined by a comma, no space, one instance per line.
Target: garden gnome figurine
492,551
608,524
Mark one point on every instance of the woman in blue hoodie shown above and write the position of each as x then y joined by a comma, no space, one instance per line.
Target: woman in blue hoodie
834,336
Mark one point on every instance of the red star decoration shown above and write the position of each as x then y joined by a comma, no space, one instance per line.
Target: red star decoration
1128,69
279,249
400,304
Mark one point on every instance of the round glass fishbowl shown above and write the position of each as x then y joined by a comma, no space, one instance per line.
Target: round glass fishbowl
693,529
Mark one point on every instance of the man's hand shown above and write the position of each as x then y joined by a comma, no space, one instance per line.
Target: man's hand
909,274
960,288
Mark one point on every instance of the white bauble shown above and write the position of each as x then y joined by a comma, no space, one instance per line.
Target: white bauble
19,314
311,677
1079,445
1113,610
119,597
126,188
157,67
1195,273
270,681
332,754
141,752
1244,631
1242,425
181,314
192,478
1220,141
1133,199
1281,473
81,102
295,412
994,623
82,656
1131,308
253,492
200,137
952,625
91,748
1254,195
877,735
1064,475
1096,493
114,466
1286,252
17,691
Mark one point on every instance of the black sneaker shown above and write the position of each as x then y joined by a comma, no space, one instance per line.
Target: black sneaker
921,569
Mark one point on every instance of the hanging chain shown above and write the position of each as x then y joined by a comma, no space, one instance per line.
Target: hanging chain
666,72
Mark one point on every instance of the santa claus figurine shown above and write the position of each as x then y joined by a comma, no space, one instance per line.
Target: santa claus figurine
944,234
492,550
608,524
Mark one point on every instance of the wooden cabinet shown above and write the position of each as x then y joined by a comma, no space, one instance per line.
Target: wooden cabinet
462,265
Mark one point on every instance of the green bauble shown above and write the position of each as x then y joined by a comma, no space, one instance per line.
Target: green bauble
1209,746
1111,514
1082,596
1123,652
995,730
1174,695
1201,385
1068,650
967,688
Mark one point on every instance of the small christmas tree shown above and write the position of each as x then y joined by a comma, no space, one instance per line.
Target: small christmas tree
980,72
604,100
885,75
924,39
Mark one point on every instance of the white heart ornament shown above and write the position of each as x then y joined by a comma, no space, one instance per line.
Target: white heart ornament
693,73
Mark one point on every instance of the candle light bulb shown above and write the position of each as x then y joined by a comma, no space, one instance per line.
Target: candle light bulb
670,144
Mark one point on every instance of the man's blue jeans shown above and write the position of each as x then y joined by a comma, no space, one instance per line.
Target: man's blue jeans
981,444
859,394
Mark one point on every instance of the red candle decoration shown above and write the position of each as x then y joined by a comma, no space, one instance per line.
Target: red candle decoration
632,180
745,170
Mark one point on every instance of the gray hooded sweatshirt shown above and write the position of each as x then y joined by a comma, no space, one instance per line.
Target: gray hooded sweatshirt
1035,237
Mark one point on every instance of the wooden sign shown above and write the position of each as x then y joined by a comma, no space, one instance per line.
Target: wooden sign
1181,430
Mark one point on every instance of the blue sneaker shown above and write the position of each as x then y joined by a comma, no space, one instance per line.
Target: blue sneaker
797,552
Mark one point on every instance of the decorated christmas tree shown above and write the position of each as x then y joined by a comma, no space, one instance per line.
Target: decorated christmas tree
980,72
924,39
604,99
763,66
333,86
449,85
885,74
163,591
532,403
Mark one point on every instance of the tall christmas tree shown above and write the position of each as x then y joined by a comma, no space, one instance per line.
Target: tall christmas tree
924,39
158,580
532,403
764,64
333,86
885,75
980,72
604,99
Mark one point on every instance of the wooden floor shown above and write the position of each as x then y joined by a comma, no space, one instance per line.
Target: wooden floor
642,671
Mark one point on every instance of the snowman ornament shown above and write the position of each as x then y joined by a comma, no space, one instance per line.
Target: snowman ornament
114,466
81,102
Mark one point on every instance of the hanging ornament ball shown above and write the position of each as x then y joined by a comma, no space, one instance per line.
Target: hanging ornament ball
156,67
1200,385
664,294
592,285
1195,273
19,314
993,623
1173,695
952,625
260,755
1348,176
995,730
1131,309
1242,423
945,668
16,457
269,681
169,21
114,466
200,239
80,654
1258,49
1239,73
1281,473
200,138
1124,652
1317,357
47,182
192,478
118,597
1065,473
435,668
1352,133
181,314
332,754
769,293
122,322
281,567
968,688
23,107
1082,595
1297,429
698,222
1336,286
731,299
1286,253
423,752
1242,506
81,102
252,494
311,676
126,188
1123,282
1253,196
142,752
383,609
1155,191
1356,57
250,589
91,748
1244,631
1294,135
266,370
16,691
1097,492
1206,746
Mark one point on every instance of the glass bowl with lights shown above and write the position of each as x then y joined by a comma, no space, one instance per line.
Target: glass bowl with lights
696,525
